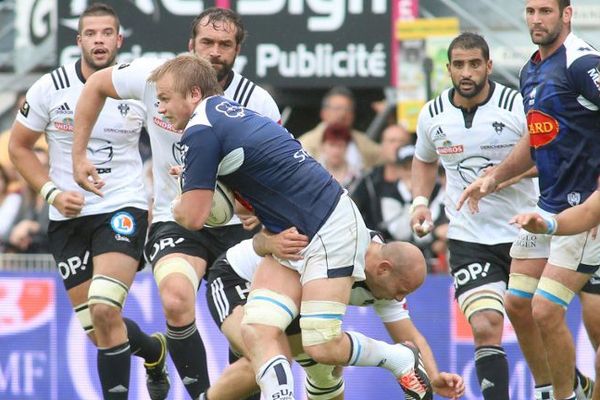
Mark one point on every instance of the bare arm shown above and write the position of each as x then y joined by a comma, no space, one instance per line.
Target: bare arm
446,384
423,178
20,148
574,220
98,87
192,208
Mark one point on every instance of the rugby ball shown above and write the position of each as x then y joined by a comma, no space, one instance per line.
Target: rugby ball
223,206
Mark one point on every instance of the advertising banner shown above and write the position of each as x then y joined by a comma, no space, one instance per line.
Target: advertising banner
45,355
35,39
291,43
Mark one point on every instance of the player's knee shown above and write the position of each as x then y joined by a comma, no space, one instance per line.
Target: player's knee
517,308
176,267
487,327
484,303
266,307
106,298
521,289
321,324
322,381
550,303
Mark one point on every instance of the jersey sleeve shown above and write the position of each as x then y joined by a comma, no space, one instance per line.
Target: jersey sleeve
425,148
391,310
129,79
263,103
201,157
34,114
584,73
519,115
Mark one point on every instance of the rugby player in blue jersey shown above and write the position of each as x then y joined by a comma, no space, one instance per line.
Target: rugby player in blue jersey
265,165
561,96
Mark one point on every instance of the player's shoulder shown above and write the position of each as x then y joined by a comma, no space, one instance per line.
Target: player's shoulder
59,79
506,98
577,49
244,91
141,64
437,106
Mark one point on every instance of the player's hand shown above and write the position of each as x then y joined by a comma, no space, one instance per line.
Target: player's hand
421,221
448,385
86,176
69,203
21,234
175,170
287,244
531,222
249,222
475,191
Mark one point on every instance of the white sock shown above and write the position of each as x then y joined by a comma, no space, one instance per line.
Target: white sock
374,353
275,379
543,392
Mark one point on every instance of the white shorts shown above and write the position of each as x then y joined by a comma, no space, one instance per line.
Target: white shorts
338,249
577,252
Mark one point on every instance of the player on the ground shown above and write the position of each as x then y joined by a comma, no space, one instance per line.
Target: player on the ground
392,271
561,96
179,257
97,242
286,187
470,127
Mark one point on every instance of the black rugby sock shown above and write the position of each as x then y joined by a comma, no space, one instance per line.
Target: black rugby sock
189,356
142,344
492,372
113,369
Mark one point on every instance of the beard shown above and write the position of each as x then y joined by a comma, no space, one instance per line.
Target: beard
549,38
89,59
223,71
474,91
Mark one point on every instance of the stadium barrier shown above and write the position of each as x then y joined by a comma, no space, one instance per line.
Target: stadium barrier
44,354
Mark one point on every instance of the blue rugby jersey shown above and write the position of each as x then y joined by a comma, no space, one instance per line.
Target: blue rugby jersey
561,97
261,161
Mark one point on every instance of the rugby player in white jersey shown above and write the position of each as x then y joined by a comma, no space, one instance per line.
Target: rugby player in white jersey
179,257
97,242
468,128
229,284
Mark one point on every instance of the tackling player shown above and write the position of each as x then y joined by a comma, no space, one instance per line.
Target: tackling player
97,242
392,271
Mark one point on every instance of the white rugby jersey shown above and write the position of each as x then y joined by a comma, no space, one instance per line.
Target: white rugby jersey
466,143
113,146
244,261
130,82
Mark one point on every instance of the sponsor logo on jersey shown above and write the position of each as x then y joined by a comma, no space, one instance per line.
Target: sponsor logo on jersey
179,151
66,125
164,124
532,96
25,304
439,134
64,109
543,128
450,149
24,110
123,109
122,66
594,73
123,223
471,168
498,126
574,198
231,110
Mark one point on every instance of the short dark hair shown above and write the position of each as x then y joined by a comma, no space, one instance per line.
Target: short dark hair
215,15
562,4
337,91
469,40
98,10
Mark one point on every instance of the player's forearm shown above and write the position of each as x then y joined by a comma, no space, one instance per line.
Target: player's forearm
518,162
423,177
427,356
580,218
90,104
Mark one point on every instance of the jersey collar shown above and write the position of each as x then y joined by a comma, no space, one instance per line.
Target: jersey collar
79,72
230,76
468,115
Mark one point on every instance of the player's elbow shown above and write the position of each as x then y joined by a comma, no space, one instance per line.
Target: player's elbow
190,219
